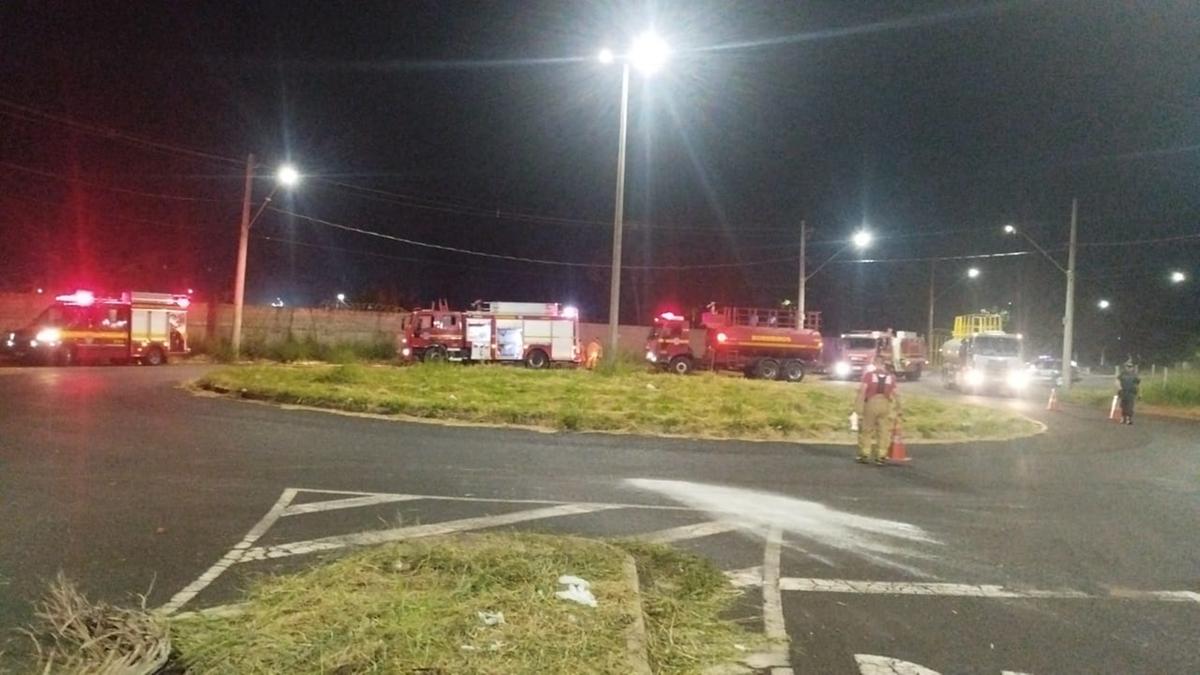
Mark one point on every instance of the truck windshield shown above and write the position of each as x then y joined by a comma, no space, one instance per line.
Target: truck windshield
997,346
858,343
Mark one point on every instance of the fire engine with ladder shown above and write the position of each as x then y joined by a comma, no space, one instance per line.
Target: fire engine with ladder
538,334
763,343
82,327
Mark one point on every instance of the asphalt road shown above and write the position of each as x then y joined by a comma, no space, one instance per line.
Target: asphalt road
1075,551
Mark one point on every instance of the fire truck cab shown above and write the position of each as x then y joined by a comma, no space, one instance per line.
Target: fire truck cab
81,327
857,349
536,333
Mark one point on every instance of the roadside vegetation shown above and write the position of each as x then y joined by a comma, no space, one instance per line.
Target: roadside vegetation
294,349
460,604
622,399
1180,392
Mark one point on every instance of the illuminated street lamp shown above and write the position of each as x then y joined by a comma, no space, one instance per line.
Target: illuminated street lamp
648,54
341,298
1104,304
286,177
1178,277
862,239
972,272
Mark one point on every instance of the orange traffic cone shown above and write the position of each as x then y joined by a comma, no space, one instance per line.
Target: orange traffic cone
1112,412
896,451
1052,404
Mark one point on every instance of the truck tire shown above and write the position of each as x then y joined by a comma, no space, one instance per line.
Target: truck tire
793,370
154,357
767,369
434,354
681,365
536,359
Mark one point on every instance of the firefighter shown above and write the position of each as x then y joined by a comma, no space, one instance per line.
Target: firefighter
875,404
593,354
1128,382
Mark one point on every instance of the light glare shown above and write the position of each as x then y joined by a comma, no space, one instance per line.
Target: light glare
648,53
1104,304
862,239
973,272
288,176
1010,229
606,56
1178,277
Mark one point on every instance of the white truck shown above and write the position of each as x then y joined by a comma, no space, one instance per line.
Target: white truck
988,361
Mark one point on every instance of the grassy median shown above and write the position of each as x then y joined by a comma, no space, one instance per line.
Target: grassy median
704,405
1177,394
414,607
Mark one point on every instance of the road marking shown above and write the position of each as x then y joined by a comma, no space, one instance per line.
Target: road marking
745,577
232,557
872,664
990,591
685,532
349,503
496,500
776,655
416,531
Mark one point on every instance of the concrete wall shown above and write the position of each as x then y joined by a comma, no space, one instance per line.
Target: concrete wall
271,324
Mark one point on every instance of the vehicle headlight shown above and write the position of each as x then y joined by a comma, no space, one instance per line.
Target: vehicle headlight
841,369
974,378
1018,379
48,335
651,356
406,352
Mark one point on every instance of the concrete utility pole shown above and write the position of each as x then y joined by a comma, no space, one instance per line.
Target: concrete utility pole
614,290
929,335
800,306
239,282
1069,315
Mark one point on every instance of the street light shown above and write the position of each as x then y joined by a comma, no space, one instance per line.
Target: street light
341,298
648,54
862,239
972,273
1104,304
1178,277
1069,271
287,177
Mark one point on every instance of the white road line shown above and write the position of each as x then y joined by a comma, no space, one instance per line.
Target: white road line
745,577
685,532
233,556
991,591
497,500
349,503
776,656
416,531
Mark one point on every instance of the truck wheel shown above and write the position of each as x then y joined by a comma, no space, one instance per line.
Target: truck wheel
681,365
434,354
536,359
767,369
154,357
793,370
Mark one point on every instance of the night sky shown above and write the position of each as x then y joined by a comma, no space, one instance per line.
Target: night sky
491,127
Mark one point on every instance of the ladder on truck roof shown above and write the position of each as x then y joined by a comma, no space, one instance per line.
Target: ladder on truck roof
518,308
966,325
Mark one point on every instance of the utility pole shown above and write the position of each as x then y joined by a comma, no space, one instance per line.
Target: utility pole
614,289
800,306
1069,315
239,282
929,335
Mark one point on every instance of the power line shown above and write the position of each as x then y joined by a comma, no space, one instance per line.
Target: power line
28,114
499,256
80,181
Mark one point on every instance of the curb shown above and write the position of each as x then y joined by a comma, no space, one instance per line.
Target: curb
636,640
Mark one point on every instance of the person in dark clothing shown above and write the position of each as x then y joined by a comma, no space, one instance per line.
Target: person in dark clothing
1128,382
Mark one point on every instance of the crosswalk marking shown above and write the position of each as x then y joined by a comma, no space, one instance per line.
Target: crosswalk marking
684,532
348,503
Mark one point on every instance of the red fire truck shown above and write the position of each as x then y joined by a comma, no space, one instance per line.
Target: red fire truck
536,333
762,343
81,327
857,349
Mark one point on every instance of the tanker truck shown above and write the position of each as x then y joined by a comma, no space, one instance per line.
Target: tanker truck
763,343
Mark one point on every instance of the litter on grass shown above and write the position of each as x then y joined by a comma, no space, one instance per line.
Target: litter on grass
578,590
491,618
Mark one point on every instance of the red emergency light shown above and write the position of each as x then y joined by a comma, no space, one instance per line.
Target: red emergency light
183,302
84,298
